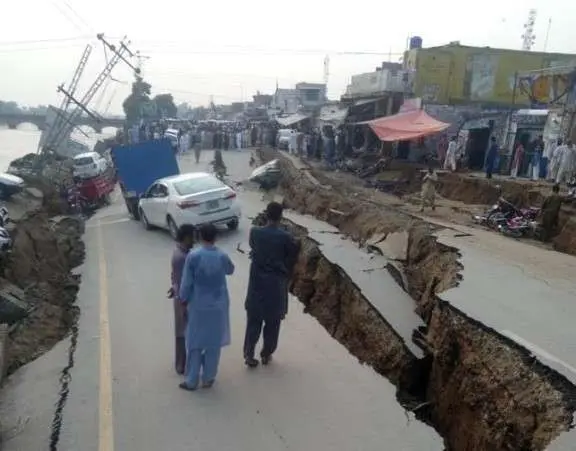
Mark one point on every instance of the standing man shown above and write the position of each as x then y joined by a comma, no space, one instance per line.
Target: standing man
554,162
429,189
550,211
517,161
450,160
273,252
565,162
184,242
205,293
491,157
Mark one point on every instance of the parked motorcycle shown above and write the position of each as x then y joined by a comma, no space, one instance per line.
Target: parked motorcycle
510,220
5,240
4,216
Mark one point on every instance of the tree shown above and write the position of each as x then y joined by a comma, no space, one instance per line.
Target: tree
138,104
9,107
165,105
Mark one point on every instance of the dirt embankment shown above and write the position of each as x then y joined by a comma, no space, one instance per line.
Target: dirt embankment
45,250
481,391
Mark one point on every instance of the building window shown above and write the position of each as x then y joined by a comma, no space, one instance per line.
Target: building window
311,95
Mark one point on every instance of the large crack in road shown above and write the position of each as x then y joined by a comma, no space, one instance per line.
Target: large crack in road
478,389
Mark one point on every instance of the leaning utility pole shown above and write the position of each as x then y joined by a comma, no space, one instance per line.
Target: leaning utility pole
119,54
60,119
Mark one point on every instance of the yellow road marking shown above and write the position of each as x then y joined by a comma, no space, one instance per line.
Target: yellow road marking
105,416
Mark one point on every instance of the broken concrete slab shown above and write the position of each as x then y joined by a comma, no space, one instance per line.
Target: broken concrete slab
370,274
394,246
527,310
483,390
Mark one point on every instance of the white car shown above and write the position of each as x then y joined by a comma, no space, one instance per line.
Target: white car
89,164
196,198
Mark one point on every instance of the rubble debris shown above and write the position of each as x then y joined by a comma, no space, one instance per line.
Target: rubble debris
480,390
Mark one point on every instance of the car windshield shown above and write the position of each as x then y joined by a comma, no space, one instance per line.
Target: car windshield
197,185
82,161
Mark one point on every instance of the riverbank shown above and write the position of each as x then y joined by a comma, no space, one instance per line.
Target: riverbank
478,388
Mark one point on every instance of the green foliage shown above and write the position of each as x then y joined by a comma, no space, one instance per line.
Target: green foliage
165,105
138,104
10,107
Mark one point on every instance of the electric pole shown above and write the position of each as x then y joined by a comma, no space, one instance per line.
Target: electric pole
120,53
140,62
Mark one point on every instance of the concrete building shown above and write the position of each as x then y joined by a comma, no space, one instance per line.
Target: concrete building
305,97
457,74
311,95
389,77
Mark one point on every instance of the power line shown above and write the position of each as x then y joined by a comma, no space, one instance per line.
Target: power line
268,52
212,75
44,41
32,49
234,48
67,17
79,17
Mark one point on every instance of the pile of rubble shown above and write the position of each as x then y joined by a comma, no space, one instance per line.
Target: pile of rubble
479,390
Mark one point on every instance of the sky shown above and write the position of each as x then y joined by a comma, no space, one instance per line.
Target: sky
227,50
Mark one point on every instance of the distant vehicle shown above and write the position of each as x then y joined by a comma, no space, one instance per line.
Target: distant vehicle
89,164
95,192
268,174
9,185
139,165
172,135
284,135
195,198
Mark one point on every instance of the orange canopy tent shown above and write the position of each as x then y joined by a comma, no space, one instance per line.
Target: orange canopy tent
406,126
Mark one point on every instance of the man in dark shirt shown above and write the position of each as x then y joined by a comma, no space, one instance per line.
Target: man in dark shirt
550,212
274,253
184,242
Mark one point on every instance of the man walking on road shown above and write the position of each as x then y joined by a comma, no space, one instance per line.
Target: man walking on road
185,241
273,253
205,293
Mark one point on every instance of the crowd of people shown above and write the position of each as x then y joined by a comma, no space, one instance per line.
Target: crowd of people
202,301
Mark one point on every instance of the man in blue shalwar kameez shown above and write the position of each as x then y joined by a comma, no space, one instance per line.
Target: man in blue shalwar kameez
274,253
205,293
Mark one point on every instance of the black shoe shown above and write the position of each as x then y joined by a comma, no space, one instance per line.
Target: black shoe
251,362
185,386
266,359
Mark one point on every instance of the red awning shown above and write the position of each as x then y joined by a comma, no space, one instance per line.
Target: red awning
406,126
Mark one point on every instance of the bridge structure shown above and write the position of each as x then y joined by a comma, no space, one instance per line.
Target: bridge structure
39,120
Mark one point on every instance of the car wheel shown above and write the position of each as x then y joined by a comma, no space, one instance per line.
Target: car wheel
233,225
144,220
172,227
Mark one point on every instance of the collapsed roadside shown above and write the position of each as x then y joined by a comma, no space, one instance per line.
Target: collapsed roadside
37,287
480,390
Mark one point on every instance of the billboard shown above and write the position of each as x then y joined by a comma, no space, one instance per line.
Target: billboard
548,89
456,74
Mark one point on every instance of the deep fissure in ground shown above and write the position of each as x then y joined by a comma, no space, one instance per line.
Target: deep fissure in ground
478,389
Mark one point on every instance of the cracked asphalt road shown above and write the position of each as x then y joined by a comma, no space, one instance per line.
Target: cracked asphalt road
314,396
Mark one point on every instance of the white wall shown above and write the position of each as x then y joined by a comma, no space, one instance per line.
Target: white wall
374,82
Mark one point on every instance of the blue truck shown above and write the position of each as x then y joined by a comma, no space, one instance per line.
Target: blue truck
139,165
